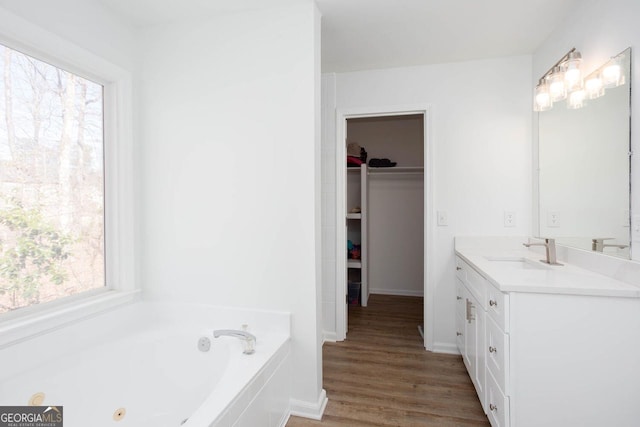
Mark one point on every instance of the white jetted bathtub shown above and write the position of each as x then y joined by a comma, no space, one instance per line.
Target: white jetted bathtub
141,366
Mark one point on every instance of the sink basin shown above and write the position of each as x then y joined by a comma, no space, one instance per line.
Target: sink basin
517,263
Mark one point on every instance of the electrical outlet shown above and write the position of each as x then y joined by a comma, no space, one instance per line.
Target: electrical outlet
553,219
509,219
443,218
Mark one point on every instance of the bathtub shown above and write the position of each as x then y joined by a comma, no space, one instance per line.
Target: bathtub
141,366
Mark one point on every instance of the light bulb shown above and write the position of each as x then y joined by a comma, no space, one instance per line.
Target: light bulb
612,75
541,98
576,99
572,72
593,87
557,88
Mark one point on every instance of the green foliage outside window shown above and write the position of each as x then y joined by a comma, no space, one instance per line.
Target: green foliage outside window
35,256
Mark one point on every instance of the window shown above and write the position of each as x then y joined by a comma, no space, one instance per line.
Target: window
52,210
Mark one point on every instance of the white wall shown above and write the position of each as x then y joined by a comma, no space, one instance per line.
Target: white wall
481,135
396,234
600,30
329,206
397,138
229,212
85,23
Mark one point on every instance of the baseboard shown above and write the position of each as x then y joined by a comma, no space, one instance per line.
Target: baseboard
309,410
328,336
398,292
447,348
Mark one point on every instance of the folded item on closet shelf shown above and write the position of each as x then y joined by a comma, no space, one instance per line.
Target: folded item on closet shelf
353,161
353,149
355,210
381,163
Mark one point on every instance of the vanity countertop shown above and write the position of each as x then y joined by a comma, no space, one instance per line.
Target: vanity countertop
520,270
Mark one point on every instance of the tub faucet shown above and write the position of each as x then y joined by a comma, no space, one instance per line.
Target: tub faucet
248,340
550,247
598,244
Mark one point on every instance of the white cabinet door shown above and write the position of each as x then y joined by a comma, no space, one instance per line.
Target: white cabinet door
460,316
470,335
474,339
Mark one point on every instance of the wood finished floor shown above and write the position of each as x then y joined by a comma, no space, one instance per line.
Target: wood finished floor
382,376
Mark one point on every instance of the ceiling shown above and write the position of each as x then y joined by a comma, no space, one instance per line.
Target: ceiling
369,34
142,13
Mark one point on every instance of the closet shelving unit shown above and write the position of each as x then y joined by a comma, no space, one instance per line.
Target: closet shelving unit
357,227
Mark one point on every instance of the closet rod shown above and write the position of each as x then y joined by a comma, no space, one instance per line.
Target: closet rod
396,173
406,170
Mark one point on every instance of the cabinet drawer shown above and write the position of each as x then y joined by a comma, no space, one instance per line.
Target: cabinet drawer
497,351
497,304
497,404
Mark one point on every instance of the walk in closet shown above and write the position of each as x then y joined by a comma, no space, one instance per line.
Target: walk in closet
385,206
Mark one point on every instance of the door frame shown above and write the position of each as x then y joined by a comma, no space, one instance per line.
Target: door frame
341,193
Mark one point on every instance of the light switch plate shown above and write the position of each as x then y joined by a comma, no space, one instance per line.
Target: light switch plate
509,219
443,218
553,219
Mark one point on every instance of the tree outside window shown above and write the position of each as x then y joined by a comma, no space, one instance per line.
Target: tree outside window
51,182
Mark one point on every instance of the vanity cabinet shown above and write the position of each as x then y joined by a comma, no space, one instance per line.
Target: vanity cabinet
471,317
498,357
553,358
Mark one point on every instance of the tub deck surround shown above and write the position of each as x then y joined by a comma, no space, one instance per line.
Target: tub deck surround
145,359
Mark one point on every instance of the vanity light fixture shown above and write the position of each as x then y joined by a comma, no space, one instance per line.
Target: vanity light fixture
593,86
553,84
576,99
572,71
557,85
612,74
542,98
564,81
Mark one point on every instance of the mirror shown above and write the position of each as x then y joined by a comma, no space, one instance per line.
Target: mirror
584,171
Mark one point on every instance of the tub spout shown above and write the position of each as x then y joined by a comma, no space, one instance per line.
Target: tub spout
248,340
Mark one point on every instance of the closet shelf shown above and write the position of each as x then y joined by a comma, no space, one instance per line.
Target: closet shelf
354,263
397,170
354,216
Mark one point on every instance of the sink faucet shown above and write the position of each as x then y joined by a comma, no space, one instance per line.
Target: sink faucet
598,244
248,340
550,246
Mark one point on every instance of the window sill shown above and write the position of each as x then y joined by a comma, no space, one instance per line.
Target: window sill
22,326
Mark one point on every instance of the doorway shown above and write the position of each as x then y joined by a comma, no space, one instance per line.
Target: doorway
405,169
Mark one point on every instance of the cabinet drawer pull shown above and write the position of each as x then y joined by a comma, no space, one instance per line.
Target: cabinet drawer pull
493,303
458,268
493,349
458,298
458,334
492,407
